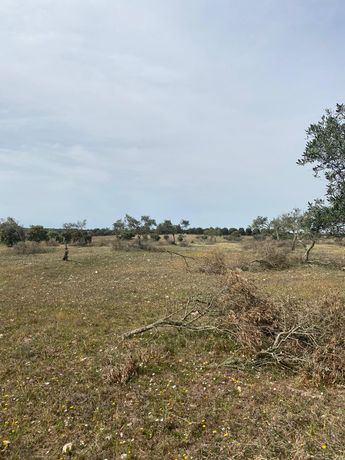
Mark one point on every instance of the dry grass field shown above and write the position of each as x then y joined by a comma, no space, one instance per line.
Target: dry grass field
67,376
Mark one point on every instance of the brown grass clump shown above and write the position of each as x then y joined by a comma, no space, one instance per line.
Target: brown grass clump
125,363
272,254
132,245
30,247
327,361
268,255
214,264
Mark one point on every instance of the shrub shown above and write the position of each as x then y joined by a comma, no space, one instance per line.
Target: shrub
55,235
32,247
269,254
125,363
37,233
11,232
132,245
233,236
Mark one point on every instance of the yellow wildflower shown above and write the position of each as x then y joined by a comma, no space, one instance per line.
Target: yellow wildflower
5,443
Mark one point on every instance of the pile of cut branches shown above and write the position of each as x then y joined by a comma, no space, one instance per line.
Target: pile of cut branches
308,339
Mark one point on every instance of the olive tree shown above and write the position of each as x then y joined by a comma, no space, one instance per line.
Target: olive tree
130,227
325,151
37,233
11,232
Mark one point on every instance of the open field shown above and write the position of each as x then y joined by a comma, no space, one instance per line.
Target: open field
60,341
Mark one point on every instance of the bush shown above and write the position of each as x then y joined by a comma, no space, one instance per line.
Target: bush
30,248
11,232
132,245
125,363
37,233
55,235
233,236
269,254
52,243
275,255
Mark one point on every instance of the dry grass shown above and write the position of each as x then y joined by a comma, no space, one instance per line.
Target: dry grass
65,376
214,263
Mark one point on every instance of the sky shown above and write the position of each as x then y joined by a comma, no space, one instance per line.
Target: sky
193,109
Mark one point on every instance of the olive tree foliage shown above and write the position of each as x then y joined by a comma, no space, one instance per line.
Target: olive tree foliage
315,222
75,232
183,227
184,224
288,225
167,228
325,151
130,227
37,233
276,225
261,226
11,232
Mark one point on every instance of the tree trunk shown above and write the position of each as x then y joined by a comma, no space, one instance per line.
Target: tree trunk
65,256
294,241
307,252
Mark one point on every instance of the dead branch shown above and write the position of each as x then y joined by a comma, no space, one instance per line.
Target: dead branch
181,255
188,321
177,324
275,355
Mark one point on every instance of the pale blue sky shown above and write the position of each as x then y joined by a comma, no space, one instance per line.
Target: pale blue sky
190,109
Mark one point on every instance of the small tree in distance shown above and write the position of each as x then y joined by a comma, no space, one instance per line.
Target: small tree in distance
11,232
37,233
130,227
168,228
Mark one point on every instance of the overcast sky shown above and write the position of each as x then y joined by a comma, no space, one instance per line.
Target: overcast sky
191,109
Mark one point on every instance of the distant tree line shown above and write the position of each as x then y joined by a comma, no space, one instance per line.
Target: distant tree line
11,233
296,225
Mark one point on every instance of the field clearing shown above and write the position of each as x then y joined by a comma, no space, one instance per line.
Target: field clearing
60,337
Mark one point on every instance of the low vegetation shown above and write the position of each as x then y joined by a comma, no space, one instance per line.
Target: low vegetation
265,381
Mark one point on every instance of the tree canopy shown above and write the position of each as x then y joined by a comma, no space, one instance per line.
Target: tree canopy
11,232
325,150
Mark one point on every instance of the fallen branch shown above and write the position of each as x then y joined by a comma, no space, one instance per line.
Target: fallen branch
187,321
275,355
181,255
177,324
